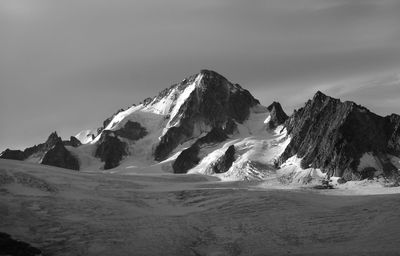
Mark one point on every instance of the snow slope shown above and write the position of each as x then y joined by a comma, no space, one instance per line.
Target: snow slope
256,146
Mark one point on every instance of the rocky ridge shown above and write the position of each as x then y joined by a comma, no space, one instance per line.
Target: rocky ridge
52,152
334,136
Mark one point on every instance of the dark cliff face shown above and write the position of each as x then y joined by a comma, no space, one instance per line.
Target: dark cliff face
131,130
59,156
278,116
187,159
110,149
333,135
225,161
190,157
215,102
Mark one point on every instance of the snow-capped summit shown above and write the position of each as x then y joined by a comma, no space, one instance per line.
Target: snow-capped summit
182,112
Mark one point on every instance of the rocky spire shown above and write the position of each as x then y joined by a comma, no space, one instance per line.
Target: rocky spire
278,116
52,140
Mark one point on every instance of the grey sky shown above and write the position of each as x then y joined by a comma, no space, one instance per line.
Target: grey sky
66,65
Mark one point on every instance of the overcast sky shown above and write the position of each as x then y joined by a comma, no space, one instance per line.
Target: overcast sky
67,65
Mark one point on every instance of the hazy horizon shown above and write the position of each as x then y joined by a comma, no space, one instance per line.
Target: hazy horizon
66,66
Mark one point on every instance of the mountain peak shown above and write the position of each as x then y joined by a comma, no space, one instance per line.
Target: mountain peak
278,116
275,105
320,96
212,79
53,138
209,72
209,100
53,134
321,99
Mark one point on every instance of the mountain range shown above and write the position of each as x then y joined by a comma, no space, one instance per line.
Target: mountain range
207,125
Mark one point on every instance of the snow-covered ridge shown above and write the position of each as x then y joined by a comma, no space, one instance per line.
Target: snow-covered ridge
85,136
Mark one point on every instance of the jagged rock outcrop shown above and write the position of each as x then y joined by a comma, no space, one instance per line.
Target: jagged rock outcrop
73,142
13,247
59,156
214,102
277,115
225,161
131,130
110,149
52,140
189,157
41,149
333,136
52,152
38,150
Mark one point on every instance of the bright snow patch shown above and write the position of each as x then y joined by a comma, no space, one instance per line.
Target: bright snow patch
182,99
266,121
